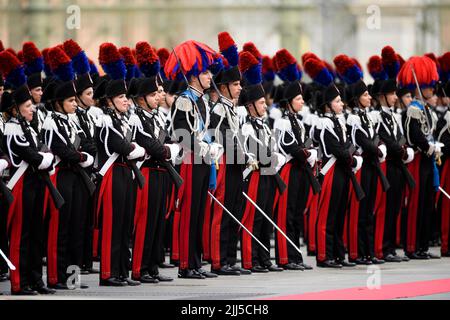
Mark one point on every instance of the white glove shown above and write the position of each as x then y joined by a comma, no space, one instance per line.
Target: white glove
312,158
383,150
410,153
46,161
281,160
438,149
138,152
174,151
3,165
88,162
203,149
359,162
215,151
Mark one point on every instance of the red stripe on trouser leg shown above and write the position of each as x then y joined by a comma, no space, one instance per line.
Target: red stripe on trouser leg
206,230
282,216
105,202
324,204
52,243
380,216
352,222
413,204
140,224
248,220
185,219
175,254
445,208
313,203
216,224
14,225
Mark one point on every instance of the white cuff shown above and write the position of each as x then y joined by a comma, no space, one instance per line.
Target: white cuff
410,153
174,151
312,158
46,161
88,162
3,164
383,150
359,162
138,152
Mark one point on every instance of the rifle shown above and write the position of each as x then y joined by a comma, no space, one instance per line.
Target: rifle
408,176
176,178
360,194
315,185
376,162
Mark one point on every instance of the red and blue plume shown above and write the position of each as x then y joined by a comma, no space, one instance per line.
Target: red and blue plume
147,59
130,63
347,69
375,67
318,72
195,58
330,69
309,55
12,69
32,58
163,55
47,69
228,48
400,60
13,52
287,67
250,68
268,69
218,64
61,64
444,62
80,61
111,61
20,55
391,63
425,70
92,67
250,47
433,57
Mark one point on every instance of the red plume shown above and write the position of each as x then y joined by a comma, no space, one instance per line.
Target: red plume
71,48
12,51
284,58
357,63
309,55
444,61
343,63
424,68
432,56
128,56
145,53
388,55
250,47
8,62
45,55
57,57
30,52
108,53
225,41
20,55
374,64
401,60
163,55
267,64
246,61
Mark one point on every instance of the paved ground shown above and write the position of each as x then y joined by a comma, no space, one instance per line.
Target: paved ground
263,286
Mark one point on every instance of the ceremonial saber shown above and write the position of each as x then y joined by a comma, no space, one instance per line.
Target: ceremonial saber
10,264
235,219
273,223
443,191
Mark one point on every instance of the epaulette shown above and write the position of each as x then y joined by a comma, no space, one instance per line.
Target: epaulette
183,103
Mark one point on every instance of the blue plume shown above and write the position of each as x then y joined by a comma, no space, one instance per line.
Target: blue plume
34,67
81,63
116,70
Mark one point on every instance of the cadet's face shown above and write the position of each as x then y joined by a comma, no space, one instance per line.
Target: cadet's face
407,99
235,89
258,108
337,105
70,105
391,98
365,99
152,100
297,103
427,93
432,101
121,103
36,93
205,79
26,110
87,96
162,97
445,100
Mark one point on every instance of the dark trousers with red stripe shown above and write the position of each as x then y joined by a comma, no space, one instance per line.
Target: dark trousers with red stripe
65,240
224,230
3,234
116,217
87,228
420,205
331,216
26,233
394,198
149,222
289,214
196,183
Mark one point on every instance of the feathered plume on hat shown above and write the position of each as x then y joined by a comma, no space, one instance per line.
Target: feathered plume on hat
147,59
309,55
130,63
92,67
61,64
32,58
425,70
375,67
80,61
444,62
268,70
13,52
195,58
347,69
20,56
163,55
228,48
12,69
218,64
47,69
400,60
250,47
391,62
250,68
287,67
318,72
433,57
111,61
330,69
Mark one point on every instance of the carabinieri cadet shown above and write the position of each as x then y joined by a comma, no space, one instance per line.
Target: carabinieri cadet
420,74
263,165
28,165
151,201
339,164
388,207
224,121
117,155
297,172
190,122
65,246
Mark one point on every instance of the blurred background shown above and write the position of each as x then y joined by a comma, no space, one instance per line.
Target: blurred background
359,28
